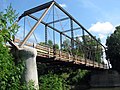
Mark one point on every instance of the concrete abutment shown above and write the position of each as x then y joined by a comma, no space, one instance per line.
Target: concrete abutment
105,78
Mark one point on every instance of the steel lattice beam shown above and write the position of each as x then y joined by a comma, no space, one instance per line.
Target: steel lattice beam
58,20
70,29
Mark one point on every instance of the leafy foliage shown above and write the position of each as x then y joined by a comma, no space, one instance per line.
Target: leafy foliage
56,74
77,76
52,82
7,26
113,49
66,45
88,47
10,74
50,44
94,49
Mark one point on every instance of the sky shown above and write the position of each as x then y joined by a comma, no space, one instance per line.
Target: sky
99,17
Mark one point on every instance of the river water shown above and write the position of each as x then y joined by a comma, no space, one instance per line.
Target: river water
114,88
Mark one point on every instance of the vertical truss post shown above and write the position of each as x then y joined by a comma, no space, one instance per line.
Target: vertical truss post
35,26
102,57
60,45
108,63
83,36
97,54
84,49
54,49
61,41
90,57
53,26
46,34
94,57
92,52
24,28
72,36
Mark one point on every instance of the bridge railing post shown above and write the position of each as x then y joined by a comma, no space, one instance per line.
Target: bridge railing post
68,56
85,57
54,50
49,52
59,54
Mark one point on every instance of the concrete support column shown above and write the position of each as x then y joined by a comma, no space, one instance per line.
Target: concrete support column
28,54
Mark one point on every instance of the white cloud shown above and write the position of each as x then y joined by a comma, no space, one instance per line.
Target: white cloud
102,28
101,36
63,5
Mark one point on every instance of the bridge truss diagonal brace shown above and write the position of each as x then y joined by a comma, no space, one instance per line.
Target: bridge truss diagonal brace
35,26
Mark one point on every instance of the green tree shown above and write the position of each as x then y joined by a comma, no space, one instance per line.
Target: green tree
7,26
56,46
113,49
52,82
89,47
79,47
66,46
42,43
50,43
10,74
95,50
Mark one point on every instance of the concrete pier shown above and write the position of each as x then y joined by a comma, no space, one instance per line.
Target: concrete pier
28,54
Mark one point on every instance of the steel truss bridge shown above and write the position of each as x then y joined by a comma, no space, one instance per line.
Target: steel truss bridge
82,50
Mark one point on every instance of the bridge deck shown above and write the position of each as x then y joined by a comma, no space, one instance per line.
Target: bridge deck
47,52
